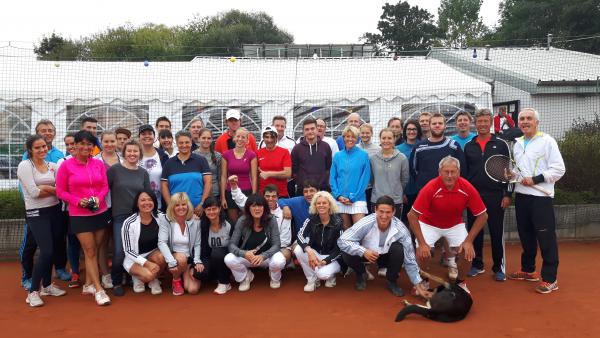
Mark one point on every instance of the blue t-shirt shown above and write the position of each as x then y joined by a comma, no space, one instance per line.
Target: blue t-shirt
186,176
299,208
53,155
463,141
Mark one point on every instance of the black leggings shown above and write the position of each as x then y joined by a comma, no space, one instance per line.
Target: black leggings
392,260
214,267
47,227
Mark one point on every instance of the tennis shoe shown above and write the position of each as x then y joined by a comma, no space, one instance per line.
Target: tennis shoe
88,290
34,299
499,276
245,284
177,286
52,290
369,274
382,272
26,284
361,282
62,274
545,287
75,282
138,285
521,275
310,286
474,271
330,282
275,284
107,281
102,298
222,289
155,288
452,272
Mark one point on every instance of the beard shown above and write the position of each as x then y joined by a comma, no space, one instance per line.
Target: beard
437,134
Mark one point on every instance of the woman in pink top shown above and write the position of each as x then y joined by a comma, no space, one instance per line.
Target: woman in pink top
81,182
243,163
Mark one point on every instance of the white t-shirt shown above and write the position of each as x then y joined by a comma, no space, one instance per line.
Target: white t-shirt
154,168
181,240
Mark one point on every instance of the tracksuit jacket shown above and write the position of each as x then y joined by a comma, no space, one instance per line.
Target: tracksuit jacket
241,234
165,237
475,160
322,238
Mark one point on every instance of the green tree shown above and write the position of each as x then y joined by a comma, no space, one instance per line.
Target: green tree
225,33
403,28
459,22
55,47
573,23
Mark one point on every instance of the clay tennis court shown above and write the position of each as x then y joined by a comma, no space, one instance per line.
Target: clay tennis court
509,309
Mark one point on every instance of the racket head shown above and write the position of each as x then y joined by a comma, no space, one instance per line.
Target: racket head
497,166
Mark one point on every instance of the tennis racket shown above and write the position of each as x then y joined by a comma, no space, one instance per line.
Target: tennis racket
503,169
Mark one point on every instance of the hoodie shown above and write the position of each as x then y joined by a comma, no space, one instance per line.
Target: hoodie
311,162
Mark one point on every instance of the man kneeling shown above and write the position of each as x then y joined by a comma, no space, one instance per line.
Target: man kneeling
437,212
381,238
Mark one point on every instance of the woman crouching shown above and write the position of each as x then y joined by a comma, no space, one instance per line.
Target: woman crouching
255,243
143,261
317,249
178,239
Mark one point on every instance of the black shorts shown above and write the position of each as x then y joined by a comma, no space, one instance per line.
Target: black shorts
231,203
93,223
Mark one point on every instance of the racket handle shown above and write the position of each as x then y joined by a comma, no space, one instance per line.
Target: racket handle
540,189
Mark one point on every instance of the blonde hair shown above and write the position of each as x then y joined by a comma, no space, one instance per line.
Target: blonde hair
176,199
351,129
333,207
367,126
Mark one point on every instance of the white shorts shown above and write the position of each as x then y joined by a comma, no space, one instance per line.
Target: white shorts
128,262
358,207
455,235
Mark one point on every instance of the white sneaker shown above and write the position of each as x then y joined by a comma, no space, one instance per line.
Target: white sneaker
52,290
34,299
275,284
310,286
222,289
107,281
452,272
155,288
138,285
369,275
382,272
245,284
88,290
330,282
102,298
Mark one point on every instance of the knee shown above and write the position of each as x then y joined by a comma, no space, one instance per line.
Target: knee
277,261
146,276
193,288
324,274
230,260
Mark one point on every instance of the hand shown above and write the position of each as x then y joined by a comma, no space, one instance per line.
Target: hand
527,181
153,267
287,213
423,251
505,202
174,270
264,174
509,175
198,210
313,261
371,255
83,202
233,182
422,291
224,203
257,260
467,247
198,267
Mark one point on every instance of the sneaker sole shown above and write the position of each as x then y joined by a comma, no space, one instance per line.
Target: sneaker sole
74,286
548,291
525,279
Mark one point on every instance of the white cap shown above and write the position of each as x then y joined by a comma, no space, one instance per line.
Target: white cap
233,114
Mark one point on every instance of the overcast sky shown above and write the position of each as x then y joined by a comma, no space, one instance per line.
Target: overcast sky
310,21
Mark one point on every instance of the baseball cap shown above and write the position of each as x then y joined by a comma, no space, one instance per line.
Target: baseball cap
145,127
269,129
233,114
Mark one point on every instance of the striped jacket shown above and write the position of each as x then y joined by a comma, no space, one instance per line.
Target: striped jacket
364,235
130,235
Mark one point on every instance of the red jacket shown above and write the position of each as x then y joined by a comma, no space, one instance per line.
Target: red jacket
497,127
221,143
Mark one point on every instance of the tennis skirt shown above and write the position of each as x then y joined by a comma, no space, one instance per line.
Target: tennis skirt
358,207
93,223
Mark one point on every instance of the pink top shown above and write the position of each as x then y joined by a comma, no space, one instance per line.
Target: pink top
75,181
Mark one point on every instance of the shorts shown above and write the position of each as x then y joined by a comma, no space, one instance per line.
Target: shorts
358,207
231,205
128,262
455,235
79,224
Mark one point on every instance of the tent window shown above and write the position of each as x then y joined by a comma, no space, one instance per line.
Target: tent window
109,116
15,127
334,116
214,118
449,109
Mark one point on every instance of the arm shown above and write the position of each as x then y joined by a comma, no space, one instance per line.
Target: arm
129,239
404,172
467,245
164,190
25,174
335,192
556,165
223,182
147,180
304,235
254,174
294,162
349,241
103,181
62,186
239,197
164,231
198,243
207,186
410,261
235,239
275,240
283,174
285,233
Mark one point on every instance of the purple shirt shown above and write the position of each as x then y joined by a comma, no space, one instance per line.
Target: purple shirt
239,167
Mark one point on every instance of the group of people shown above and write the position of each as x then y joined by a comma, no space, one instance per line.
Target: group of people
205,209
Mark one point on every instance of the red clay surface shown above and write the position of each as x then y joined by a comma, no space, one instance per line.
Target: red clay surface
509,309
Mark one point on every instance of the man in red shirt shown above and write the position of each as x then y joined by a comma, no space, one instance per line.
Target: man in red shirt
437,212
274,163
225,142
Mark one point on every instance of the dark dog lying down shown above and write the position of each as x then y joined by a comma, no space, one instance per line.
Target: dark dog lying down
449,303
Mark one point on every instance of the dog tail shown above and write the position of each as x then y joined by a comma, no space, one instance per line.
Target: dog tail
412,309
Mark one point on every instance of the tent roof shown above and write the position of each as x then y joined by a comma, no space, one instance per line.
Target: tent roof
242,81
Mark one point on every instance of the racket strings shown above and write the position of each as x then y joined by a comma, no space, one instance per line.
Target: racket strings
500,168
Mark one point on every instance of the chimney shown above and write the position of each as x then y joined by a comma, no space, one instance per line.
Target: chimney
487,52
549,41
